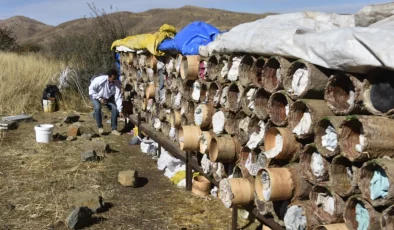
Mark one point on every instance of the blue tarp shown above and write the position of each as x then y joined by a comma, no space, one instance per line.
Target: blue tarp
190,38
379,184
117,61
362,217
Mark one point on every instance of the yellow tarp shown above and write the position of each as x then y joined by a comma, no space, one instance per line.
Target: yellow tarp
147,41
180,176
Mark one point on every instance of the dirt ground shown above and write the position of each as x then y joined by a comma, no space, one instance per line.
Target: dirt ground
36,180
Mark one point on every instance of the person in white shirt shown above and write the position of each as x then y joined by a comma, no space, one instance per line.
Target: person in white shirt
105,90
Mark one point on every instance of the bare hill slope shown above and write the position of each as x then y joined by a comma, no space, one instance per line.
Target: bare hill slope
35,32
24,27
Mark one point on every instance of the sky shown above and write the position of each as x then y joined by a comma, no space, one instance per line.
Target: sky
54,12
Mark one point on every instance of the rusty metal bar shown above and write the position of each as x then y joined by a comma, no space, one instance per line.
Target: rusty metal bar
176,152
189,173
234,218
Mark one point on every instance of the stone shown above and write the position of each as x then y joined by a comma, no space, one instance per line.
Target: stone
89,156
79,218
71,138
71,118
73,130
99,146
8,125
86,137
86,199
135,141
128,178
10,206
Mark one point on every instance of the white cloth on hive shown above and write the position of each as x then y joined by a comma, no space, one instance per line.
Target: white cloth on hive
304,125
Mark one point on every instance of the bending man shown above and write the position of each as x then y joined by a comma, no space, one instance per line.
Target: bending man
105,91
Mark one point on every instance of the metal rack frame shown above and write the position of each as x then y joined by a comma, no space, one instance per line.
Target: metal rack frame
192,163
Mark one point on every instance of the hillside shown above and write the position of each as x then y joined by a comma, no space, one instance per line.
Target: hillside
24,27
144,22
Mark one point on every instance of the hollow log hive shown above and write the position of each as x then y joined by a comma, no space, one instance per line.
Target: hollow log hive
305,137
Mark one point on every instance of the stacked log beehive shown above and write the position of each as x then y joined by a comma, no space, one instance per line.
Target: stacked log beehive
297,136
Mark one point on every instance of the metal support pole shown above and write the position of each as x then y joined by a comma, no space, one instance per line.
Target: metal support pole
189,173
192,164
139,124
234,222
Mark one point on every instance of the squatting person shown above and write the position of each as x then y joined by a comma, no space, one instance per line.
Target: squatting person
105,90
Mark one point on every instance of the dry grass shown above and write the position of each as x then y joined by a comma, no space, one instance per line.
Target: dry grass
36,180
23,79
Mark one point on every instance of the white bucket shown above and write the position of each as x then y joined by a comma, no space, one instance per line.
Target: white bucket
49,106
43,133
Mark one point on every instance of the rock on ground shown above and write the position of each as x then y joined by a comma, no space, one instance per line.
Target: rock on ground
89,156
128,178
99,146
86,137
79,218
71,138
71,118
85,199
73,130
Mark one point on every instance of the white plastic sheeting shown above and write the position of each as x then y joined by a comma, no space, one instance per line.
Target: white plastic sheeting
330,139
218,170
265,180
370,15
287,109
223,97
162,95
244,124
248,162
198,115
359,147
351,99
203,143
150,104
299,82
277,149
304,125
142,60
149,147
214,191
256,138
150,73
224,71
326,202
157,124
196,91
328,40
170,164
250,95
206,164
317,166
218,120
172,133
295,218
216,98
225,195
234,70
166,160
124,49
177,100
255,167
170,66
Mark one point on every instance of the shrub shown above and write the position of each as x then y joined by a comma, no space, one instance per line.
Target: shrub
7,41
23,79
89,53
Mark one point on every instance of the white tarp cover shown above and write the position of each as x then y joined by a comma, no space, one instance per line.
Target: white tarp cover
329,40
